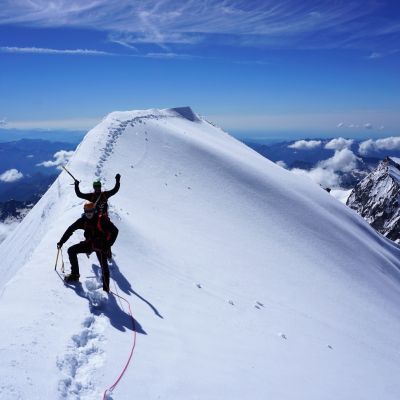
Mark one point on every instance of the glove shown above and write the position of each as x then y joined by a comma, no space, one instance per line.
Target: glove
59,245
117,177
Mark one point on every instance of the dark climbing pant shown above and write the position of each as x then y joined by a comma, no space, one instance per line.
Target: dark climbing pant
85,247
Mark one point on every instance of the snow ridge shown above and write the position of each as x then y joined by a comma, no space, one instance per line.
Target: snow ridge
242,276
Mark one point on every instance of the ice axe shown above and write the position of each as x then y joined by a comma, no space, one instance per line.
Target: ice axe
69,173
59,250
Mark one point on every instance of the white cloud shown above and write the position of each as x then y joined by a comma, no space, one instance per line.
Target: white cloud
366,147
305,144
368,125
327,172
41,50
370,145
281,164
61,158
321,176
3,122
343,160
339,144
11,175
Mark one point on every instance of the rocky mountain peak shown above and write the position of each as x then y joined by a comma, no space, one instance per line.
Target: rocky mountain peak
376,198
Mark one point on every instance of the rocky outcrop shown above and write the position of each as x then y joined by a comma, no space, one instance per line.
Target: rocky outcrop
377,197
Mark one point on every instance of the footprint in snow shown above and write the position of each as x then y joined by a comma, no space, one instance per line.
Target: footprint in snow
95,293
83,357
283,336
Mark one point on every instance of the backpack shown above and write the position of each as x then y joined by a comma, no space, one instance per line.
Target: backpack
97,234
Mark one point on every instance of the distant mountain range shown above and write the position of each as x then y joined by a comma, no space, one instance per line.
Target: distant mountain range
24,156
309,158
12,135
295,158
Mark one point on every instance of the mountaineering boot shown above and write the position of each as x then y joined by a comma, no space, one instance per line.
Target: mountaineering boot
72,278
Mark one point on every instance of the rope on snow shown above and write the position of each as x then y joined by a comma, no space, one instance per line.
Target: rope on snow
113,386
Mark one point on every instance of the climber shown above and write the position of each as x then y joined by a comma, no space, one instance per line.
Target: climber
100,234
98,197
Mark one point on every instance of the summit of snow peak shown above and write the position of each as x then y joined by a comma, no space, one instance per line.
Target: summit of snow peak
243,275
186,112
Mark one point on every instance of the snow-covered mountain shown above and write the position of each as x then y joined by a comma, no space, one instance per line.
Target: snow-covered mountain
376,198
245,280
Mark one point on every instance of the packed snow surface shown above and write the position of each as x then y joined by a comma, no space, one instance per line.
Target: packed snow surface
340,194
245,280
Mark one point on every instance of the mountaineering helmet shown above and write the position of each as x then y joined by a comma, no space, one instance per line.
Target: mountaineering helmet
89,207
96,184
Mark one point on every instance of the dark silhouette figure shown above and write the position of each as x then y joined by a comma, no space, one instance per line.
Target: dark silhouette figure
98,197
100,234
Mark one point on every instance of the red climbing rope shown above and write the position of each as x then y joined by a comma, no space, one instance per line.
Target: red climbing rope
113,386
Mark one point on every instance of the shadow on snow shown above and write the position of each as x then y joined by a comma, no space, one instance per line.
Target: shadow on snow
126,287
115,312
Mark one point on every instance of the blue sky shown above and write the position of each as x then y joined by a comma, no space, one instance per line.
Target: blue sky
300,68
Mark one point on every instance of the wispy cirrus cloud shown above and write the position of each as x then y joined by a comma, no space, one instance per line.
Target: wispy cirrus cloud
248,23
67,124
168,56
86,52
41,50
374,55
377,55
308,121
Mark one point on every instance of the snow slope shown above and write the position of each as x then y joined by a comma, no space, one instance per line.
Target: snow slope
246,281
